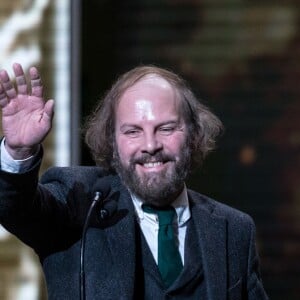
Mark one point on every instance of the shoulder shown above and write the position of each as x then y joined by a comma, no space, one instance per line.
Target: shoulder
73,185
68,177
215,208
72,173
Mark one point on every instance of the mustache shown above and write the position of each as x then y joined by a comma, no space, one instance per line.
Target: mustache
148,158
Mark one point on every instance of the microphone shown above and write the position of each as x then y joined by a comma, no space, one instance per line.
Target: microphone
101,190
107,209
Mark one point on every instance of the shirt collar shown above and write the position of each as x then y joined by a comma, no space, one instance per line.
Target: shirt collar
181,205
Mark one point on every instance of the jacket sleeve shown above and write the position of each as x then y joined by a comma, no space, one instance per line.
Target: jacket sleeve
19,197
43,213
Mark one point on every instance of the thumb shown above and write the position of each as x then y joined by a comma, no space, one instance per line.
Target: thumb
49,109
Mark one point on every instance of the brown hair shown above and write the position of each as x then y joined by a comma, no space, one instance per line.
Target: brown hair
203,125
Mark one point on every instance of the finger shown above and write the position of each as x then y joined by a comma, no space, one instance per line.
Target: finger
49,109
20,79
7,85
36,82
3,97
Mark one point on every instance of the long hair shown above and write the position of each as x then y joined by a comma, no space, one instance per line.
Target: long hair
203,125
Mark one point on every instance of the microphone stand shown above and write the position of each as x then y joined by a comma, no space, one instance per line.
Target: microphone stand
82,245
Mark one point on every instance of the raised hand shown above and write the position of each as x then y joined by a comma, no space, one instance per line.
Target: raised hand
26,116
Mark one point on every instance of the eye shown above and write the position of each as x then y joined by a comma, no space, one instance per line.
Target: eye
166,130
132,133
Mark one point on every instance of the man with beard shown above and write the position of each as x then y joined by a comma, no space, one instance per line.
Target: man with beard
145,135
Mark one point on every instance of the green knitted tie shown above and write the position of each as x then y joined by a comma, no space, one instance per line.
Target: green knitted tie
169,260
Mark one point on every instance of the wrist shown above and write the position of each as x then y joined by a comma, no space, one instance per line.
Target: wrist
21,153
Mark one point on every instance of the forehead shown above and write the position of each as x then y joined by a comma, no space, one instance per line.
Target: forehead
151,98
150,81
151,87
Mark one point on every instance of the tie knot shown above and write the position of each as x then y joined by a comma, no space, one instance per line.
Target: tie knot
165,214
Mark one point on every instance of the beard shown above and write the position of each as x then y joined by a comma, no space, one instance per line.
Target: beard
155,188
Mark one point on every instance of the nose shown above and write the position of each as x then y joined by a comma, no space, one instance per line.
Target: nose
151,144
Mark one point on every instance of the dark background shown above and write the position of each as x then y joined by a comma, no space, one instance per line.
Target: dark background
242,58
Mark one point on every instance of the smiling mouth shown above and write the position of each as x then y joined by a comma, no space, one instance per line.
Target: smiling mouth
152,164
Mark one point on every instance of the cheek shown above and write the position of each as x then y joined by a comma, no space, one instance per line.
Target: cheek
126,149
176,144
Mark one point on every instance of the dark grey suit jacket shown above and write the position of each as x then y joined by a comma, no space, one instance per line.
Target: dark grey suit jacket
48,216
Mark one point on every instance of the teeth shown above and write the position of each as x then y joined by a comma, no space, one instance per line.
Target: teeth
153,164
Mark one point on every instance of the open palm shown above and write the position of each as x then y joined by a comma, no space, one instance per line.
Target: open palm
26,117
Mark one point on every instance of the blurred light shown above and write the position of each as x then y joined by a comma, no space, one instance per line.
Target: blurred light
62,156
4,234
20,21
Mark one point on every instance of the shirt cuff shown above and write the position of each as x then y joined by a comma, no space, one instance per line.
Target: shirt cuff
8,164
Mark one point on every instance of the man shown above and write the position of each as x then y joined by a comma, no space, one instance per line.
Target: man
146,134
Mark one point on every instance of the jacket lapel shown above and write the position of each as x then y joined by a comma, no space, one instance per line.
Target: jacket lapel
211,231
121,241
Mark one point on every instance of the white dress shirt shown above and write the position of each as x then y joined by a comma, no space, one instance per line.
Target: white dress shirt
149,223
